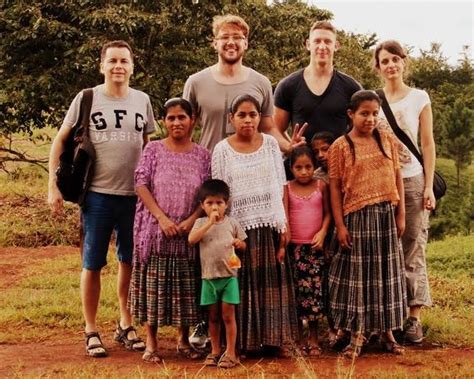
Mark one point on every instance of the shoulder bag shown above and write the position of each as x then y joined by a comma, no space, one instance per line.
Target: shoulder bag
76,163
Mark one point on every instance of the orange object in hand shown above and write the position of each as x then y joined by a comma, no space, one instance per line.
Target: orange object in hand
234,261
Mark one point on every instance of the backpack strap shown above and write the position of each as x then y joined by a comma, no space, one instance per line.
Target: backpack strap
82,125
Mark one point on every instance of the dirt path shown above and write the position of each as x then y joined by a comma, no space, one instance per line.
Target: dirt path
66,358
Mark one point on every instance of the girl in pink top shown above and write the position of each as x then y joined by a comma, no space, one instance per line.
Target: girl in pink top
307,206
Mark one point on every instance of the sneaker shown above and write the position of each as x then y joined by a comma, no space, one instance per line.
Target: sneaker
413,330
199,338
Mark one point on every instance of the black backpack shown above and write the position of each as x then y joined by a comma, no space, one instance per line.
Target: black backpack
76,163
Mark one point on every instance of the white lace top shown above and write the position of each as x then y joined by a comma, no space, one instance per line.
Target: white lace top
256,183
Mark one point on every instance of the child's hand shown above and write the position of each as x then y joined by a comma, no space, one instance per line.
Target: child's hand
344,238
318,240
400,221
287,235
213,217
281,255
238,244
185,226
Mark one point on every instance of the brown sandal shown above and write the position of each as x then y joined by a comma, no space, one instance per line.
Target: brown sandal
227,362
354,349
392,347
212,360
151,357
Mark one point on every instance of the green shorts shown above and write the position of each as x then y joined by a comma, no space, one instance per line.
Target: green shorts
221,289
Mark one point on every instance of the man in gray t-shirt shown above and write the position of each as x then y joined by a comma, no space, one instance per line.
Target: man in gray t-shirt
121,119
212,90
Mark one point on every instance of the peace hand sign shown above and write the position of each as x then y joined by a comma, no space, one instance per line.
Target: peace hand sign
297,138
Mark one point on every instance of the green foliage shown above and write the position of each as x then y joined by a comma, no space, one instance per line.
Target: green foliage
455,212
51,49
452,94
459,134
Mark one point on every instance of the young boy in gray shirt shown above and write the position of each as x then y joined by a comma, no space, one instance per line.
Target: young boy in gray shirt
218,236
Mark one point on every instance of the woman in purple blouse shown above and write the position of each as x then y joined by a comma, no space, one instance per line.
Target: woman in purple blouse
164,285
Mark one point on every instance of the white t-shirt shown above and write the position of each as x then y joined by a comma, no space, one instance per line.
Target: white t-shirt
407,113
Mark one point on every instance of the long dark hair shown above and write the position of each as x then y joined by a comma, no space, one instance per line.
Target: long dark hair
356,100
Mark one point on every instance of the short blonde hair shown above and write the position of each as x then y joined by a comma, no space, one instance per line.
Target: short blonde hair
229,19
324,25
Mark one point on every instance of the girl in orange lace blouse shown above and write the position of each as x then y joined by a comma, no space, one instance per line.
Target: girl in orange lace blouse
367,278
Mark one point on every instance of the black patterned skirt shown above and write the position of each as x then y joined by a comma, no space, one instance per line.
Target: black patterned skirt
307,266
165,290
266,315
367,286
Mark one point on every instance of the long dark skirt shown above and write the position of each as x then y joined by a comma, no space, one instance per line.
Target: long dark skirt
165,290
367,283
266,315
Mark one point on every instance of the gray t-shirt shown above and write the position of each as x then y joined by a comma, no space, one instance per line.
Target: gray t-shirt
216,247
211,101
116,130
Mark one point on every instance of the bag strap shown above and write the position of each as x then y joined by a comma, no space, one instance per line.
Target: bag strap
82,124
401,135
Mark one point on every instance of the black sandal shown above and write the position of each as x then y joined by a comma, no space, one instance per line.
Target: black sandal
90,348
121,336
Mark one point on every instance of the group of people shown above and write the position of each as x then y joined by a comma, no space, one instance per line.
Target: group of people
223,231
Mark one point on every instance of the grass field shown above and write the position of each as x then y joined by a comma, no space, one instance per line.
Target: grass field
47,298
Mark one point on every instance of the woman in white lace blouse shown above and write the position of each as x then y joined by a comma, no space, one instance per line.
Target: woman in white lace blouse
251,164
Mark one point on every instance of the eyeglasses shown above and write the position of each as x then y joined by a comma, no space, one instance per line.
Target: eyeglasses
236,38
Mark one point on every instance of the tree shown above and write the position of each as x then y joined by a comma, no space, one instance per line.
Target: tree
50,49
459,135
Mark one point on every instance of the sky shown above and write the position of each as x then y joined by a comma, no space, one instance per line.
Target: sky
413,23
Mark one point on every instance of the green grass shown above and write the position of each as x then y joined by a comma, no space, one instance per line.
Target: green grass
451,274
47,297
25,215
